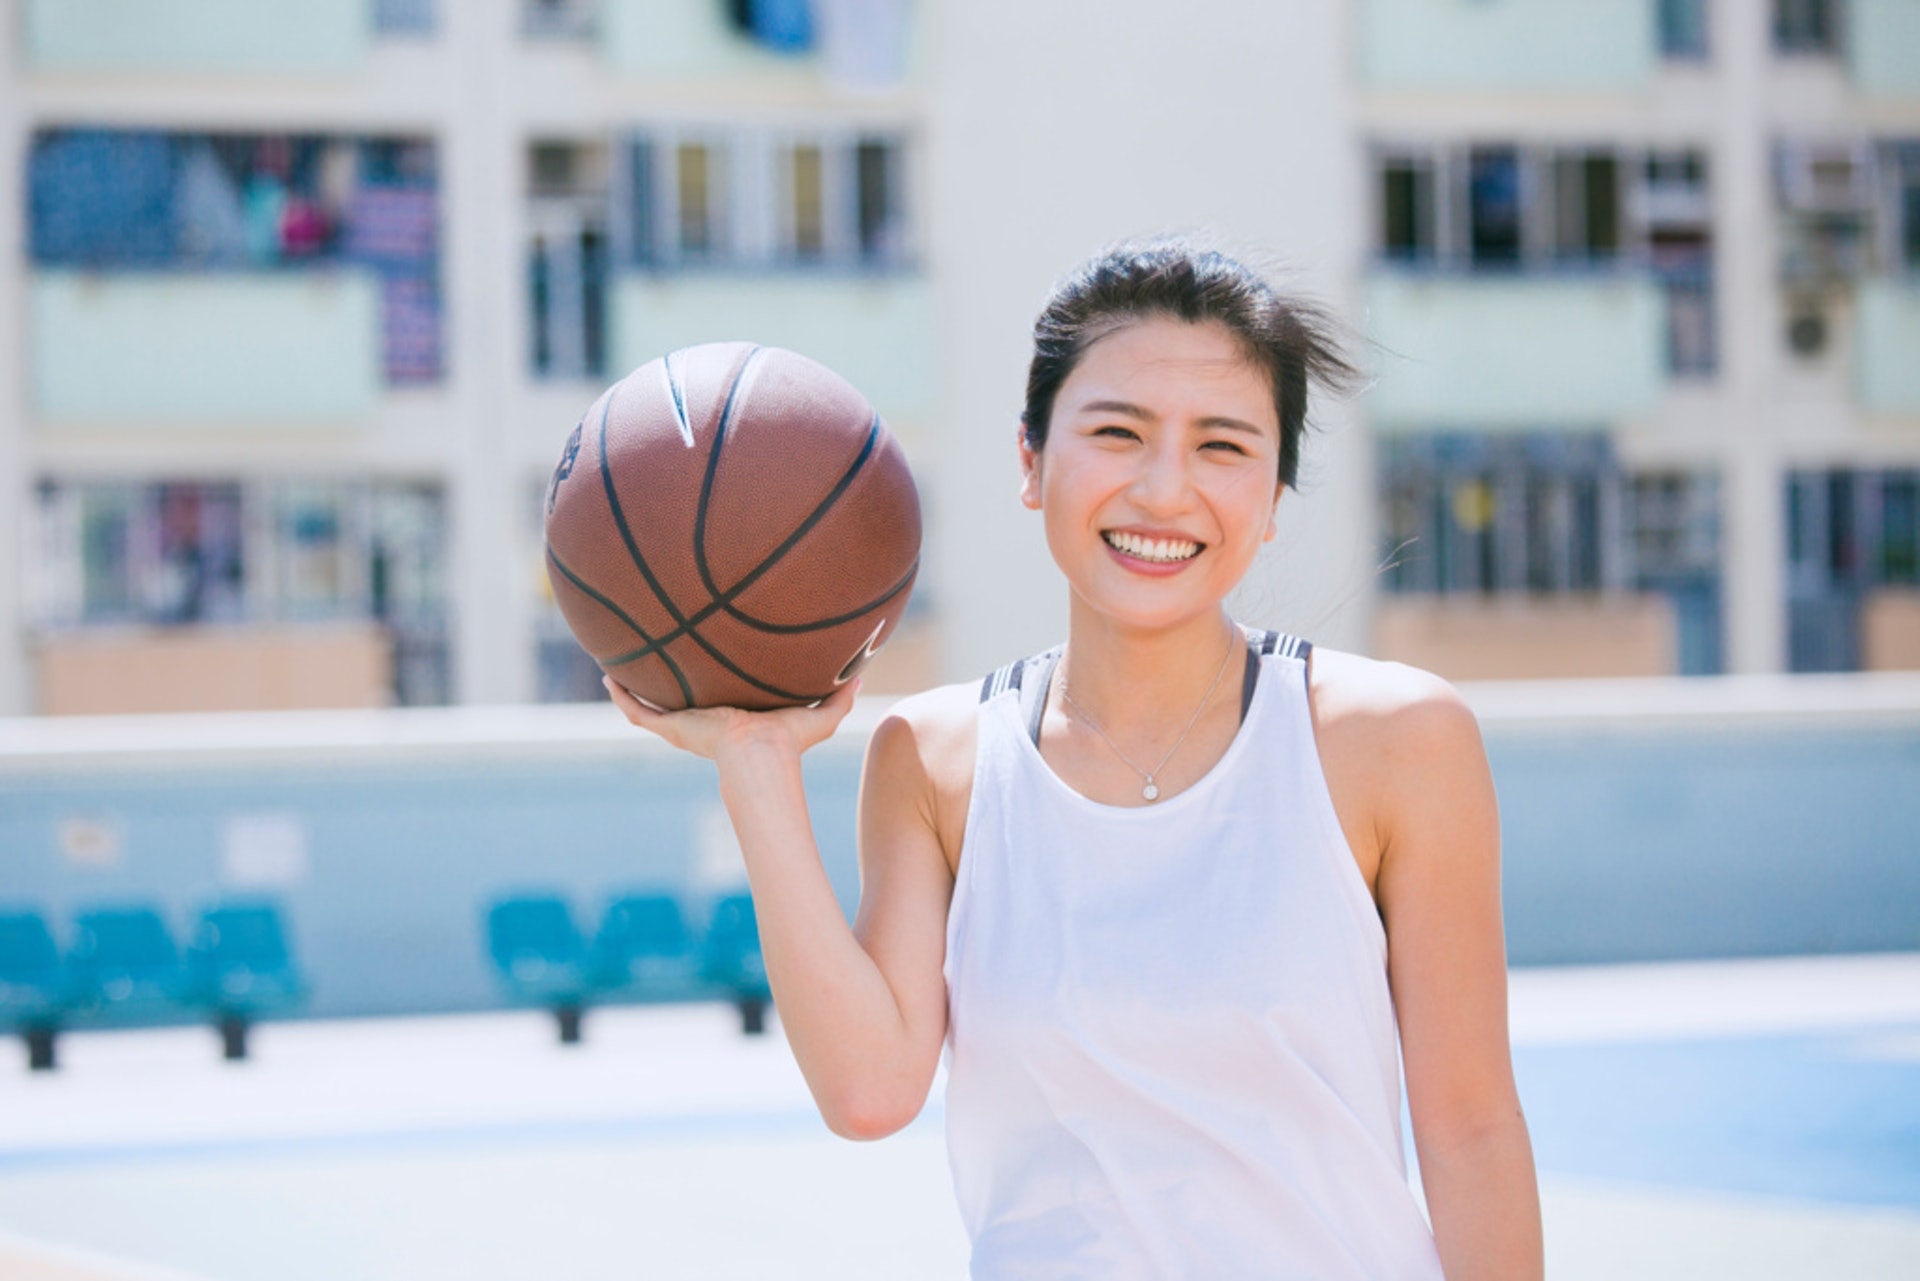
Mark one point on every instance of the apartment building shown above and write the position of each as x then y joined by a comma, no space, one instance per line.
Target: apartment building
309,295
1646,280
302,299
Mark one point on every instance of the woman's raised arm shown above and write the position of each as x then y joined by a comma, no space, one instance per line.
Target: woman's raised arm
865,1008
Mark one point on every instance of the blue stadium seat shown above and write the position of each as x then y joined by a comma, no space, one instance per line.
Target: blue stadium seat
540,957
125,965
239,967
645,949
733,961
34,987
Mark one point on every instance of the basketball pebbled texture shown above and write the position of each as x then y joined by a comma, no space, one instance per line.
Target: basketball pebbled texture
732,525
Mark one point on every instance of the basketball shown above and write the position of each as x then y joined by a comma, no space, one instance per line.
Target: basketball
732,525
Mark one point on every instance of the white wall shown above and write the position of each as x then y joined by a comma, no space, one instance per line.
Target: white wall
1055,129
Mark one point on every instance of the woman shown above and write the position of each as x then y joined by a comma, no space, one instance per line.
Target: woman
1176,897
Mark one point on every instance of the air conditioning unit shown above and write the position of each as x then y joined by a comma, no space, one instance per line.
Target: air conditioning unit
1825,177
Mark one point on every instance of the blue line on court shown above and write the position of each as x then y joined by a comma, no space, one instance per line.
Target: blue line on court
688,1127
1818,1117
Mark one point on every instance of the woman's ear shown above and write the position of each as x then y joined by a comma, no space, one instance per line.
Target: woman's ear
1029,471
1273,517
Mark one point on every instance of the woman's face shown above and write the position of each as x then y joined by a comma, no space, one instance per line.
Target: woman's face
1160,474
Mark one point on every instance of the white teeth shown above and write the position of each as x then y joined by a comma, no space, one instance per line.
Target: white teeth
1154,549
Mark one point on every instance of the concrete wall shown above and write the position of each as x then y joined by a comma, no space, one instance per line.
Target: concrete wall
1642,820
1517,352
1883,47
1468,637
249,37
1886,345
1559,45
127,349
876,331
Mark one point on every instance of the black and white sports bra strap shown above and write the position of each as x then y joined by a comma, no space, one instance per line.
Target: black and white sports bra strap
1031,676
1028,678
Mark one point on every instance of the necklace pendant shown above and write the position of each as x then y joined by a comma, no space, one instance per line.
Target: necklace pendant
1150,791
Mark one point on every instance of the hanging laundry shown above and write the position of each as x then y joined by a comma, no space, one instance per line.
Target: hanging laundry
410,329
392,225
266,203
211,219
784,26
101,197
864,44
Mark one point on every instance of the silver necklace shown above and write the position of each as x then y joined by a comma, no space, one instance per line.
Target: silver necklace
1152,790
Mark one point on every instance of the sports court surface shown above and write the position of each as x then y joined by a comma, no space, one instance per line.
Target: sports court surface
1752,1119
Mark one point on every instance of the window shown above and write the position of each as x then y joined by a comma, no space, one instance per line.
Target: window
1493,206
192,552
1900,163
568,258
806,231
1586,206
882,236
1406,208
699,197
1494,514
1551,513
1806,27
1683,29
1849,533
1554,208
763,197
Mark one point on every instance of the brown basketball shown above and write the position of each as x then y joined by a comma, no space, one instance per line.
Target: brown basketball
732,525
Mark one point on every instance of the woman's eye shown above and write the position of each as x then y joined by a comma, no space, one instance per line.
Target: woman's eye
1122,433
1228,446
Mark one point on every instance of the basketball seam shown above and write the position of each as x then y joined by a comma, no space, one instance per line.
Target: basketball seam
660,593
621,614
725,599
722,600
715,606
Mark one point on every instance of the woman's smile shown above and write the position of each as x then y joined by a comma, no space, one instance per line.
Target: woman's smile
1159,479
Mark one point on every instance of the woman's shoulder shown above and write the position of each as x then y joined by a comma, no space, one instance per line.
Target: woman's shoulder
935,728
1386,704
923,747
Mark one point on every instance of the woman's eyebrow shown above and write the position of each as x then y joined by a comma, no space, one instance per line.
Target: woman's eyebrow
1118,407
1130,410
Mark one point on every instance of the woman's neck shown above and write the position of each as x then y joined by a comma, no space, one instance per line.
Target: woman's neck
1136,682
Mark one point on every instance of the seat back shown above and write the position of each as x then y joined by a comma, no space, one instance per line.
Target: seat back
131,942
733,942
536,926
644,926
28,955
235,936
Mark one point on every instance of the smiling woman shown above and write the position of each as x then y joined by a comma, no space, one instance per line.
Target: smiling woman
1176,943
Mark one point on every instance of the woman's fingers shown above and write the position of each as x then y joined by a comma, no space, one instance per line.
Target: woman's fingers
636,709
703,730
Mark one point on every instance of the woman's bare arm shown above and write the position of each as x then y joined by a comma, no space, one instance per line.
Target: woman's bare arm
865,1008
1438,888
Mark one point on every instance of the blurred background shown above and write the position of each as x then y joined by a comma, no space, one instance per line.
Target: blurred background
299,300
307,296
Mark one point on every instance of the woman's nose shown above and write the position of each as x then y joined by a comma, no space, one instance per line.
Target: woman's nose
1162,482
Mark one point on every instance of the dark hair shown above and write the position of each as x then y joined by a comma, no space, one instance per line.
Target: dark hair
1291,339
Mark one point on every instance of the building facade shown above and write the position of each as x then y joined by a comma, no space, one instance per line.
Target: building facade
301,300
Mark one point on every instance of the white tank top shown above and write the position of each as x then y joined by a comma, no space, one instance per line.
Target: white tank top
1171,1047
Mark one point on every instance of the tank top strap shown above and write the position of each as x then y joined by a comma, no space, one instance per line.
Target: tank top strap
1262,642
1028,678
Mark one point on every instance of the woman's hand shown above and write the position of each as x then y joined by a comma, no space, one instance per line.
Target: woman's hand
714,732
